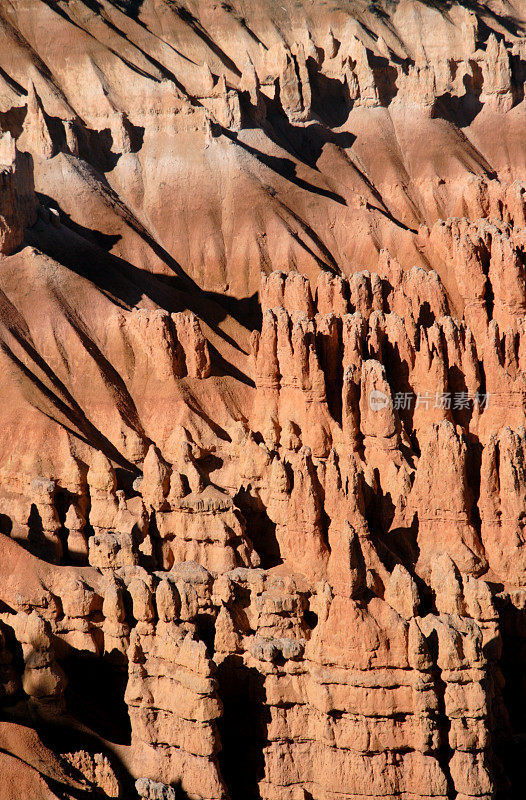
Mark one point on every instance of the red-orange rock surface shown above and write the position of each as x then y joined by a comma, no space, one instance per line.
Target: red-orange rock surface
262,400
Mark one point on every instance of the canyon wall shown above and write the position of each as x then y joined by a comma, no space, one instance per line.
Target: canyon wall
262,400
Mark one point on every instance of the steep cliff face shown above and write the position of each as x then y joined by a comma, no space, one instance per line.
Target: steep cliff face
262,400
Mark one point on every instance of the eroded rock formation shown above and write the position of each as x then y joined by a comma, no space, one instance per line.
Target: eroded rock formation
263,358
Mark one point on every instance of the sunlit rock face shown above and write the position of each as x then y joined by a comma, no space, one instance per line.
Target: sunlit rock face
262,400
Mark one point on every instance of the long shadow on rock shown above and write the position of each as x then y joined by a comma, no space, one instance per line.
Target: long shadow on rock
305,143
246,310
461,111
284,167
510,23
125,284
86,251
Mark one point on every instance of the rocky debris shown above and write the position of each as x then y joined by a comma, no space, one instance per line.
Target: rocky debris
96,770
153,790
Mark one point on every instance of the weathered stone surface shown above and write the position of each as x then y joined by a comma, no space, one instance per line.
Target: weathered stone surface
262,359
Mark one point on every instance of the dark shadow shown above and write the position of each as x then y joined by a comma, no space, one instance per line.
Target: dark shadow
305,143
398,372
404,543
84,251
330,98
36,542
97,7
282,166
384,211
13,120
63,401
98,148
95,696
260,528
518,71
188,18
508,717
205,624
135,134
489,298
123,400
246,311
332,366
459,390
65,734
129,7
243,727
310,618
473,470
6,525
12,83
482,11
444,752
209,464
106,241
328,263
426,318
125,480
62,501
244,24
385,75
461,111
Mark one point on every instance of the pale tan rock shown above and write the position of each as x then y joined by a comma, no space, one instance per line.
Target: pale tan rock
36,132
155,344
447,586
194,344
441,477
156,479
167,601
401,592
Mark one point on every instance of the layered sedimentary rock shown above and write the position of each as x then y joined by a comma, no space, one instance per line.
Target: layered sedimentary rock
262,352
